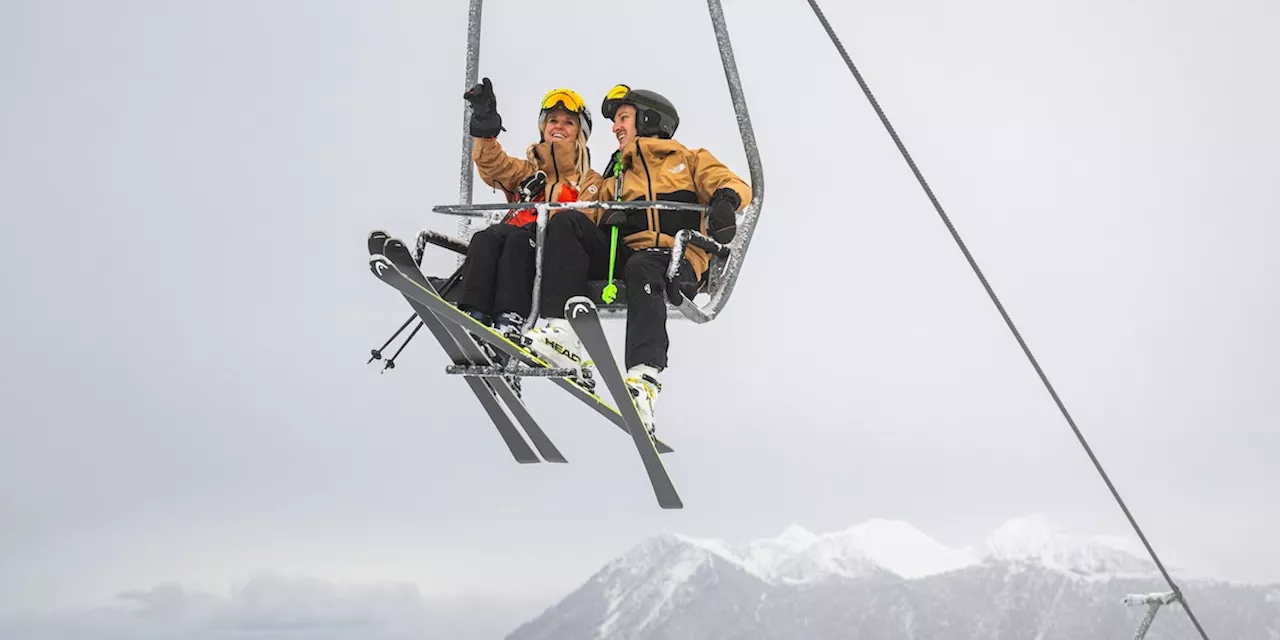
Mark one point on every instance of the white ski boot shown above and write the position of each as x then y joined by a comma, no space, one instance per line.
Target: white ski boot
556,342
642,382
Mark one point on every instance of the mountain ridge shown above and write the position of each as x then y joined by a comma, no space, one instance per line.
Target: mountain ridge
884,578
904,550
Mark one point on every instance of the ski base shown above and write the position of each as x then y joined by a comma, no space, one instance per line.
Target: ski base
459,334
395,267
492,394
584,317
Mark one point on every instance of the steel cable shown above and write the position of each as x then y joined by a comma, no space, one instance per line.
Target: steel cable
990,292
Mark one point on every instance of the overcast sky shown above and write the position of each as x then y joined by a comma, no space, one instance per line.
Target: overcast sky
186,189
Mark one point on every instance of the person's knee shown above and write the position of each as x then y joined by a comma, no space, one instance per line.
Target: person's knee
488,237
564,227
518,238
557,226
567,219
644,267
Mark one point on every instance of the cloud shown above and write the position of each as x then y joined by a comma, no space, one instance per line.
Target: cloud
275,606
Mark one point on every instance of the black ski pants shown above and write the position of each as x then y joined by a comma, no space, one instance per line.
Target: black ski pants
576,251
497,274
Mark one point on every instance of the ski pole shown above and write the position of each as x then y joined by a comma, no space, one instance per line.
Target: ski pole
377,353
611,290
391,364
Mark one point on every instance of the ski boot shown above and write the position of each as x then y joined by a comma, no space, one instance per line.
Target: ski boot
497,356
642,382
508,324
556,343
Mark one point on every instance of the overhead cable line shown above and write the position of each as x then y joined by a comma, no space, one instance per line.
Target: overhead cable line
972,263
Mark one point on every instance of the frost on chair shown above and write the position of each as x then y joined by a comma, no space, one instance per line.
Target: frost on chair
726,259
1153,602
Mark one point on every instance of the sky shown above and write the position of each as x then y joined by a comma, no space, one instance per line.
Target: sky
186,395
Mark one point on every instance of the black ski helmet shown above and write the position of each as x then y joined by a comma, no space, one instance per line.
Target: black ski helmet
655,115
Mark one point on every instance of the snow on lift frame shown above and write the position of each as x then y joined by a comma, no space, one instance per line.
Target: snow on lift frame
1153,602
726,259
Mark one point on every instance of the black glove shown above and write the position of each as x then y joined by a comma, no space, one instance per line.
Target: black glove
721,222
531,188
485,121
615,217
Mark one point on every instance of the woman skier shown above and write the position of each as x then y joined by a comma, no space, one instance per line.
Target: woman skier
496,285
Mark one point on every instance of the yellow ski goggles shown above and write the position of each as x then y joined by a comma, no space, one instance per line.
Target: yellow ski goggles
564,98
613,100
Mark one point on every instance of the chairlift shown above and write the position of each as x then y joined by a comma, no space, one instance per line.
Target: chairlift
450,326
726,259
392,262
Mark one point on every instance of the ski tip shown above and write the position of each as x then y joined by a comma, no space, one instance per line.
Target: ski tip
376,239
577,306
379,264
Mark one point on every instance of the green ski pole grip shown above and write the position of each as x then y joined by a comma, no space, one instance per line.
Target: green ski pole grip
611,290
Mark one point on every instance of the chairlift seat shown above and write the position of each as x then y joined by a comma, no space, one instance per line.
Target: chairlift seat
679,308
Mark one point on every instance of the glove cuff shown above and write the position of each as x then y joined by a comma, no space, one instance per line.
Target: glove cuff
486,126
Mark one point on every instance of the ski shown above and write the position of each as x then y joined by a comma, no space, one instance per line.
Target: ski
472,352
585,319
484,391
395,267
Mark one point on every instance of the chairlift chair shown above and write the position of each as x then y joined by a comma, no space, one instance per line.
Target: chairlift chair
726,259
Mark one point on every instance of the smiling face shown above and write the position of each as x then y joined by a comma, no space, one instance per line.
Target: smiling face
560,126
624,125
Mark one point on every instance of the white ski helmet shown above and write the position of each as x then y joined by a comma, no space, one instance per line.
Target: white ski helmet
570,101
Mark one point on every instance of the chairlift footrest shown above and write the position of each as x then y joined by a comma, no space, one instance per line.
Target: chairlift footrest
518,371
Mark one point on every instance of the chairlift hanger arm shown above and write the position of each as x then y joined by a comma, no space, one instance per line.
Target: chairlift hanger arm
722,282
472,76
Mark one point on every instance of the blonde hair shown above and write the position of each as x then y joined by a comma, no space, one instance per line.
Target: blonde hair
582,156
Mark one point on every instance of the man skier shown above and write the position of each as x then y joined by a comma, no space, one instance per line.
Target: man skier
649,165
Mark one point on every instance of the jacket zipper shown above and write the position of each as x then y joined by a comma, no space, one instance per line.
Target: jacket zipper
555,167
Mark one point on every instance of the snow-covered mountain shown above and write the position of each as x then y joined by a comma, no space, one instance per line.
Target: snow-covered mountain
798,556
1035,539
885,579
